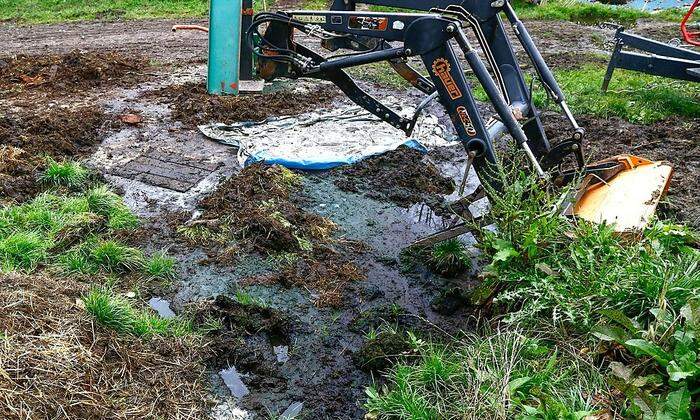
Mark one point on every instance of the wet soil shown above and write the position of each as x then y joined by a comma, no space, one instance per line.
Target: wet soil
151,38
259,211
295,244
192,105
674,140
403,176
61,74
28,136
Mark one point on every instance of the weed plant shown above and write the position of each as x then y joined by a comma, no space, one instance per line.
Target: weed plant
496,375
449,258
564,270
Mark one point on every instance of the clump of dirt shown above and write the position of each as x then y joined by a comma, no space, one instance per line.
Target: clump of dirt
72,72
241,319
255,209
673,140
192,105
28,136
402,176
382,351
55,362
256,212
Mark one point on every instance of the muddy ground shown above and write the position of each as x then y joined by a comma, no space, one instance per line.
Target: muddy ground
275,236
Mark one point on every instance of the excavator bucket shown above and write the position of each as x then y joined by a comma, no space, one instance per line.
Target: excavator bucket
624,193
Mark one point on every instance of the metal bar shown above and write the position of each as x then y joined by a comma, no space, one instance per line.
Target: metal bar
656,47
492,91
246,71
675,68
359,59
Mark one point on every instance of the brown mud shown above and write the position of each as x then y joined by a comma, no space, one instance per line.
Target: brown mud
56,75
403,176
674,140
27,137
192,105
258,211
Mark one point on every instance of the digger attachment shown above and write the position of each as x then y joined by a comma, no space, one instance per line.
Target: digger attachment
623,191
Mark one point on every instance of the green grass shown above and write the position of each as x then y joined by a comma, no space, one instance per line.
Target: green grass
449,258
67,174
577,11
49,11
114,257
118,314
563,270
72,230
614,309
585,12
494,375
159,267
246,299
633,96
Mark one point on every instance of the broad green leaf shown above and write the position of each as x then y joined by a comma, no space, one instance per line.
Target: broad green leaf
676,373
517,383
610,333
620,318
505,254
650,349
677,405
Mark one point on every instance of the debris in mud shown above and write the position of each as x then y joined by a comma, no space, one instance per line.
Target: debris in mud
28,136
673,140
401,176
61,73
255,209
382,351
192,105
254,212
53,359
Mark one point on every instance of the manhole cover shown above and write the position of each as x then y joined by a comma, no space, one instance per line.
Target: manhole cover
166,170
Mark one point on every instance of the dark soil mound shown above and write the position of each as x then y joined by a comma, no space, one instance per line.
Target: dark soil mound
674,139
192,105
67,72
401,176
255,207
256,212
27,137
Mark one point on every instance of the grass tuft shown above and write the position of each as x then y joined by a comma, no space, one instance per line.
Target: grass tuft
118,314
495,375
114,257
449,258
159,267
23,251
66,174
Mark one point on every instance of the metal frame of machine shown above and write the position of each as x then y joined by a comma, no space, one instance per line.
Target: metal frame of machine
396,37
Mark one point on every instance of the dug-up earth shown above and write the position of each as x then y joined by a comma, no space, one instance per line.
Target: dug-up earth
317,253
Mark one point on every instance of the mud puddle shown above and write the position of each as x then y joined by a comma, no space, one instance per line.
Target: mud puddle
294,354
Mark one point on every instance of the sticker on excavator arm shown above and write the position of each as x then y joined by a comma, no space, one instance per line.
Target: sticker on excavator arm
627,200
310,18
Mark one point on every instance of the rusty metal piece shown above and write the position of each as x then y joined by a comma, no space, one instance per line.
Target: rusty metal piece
190,28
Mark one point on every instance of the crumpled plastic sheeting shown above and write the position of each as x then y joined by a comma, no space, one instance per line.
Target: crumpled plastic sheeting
324,140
